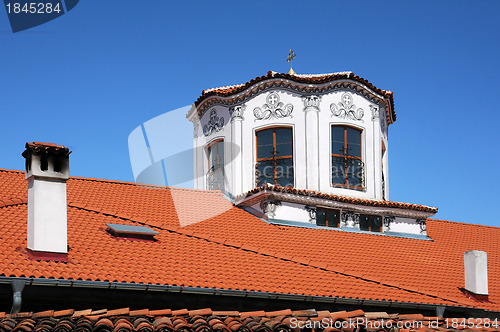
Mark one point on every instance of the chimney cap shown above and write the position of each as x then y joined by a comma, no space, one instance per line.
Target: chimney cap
37,148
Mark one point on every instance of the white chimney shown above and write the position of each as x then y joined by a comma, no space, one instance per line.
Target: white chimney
476,272
47,170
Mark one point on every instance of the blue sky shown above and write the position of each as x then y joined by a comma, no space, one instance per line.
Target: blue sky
88,78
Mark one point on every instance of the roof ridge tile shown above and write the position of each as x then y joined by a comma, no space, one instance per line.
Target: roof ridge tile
80,313
201,312
462,223
117,312
11,170
180,312
161,312
139,312
259,313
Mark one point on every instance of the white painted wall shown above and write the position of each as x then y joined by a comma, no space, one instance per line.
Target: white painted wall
47,207
404,225
47,215
298,213
293,212
476,272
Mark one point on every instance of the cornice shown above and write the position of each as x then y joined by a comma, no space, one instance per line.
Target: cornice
234,95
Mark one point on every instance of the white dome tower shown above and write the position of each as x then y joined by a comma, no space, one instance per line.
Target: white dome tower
300,137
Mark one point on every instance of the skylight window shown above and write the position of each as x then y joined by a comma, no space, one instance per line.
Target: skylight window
130,231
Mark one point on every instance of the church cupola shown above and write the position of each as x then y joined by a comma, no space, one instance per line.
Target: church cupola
304,148
325,133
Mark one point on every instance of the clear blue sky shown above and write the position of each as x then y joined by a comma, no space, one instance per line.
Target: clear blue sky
88,78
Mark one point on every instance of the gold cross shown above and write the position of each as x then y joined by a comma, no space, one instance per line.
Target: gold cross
291,57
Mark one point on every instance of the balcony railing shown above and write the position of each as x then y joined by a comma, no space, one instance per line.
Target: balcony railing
215,178
348,172
279,172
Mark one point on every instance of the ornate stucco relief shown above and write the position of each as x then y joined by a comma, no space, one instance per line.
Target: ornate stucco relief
376,117
311,103
349,215
236,112
196,127
346,108
273,108
215,123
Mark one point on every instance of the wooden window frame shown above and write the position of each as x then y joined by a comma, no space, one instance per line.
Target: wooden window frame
274,158
344,127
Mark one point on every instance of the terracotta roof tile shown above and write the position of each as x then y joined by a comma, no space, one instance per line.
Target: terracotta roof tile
180,312
162,312
260,313
116,312
284,320
141,312
38,147
200,312
80,313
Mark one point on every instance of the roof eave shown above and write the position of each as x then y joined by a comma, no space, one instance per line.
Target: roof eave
229,292
265,194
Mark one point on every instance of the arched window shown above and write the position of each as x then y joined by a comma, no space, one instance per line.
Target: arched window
275,156
215,174
347,162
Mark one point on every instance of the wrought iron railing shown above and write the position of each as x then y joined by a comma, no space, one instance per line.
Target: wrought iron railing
348,171
277,172
215,178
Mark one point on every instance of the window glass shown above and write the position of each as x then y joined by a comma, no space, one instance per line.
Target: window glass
376,225
265,171
215,174
265,144
364,222
338,170
327,217
354,172
284,144
353,142
320,217
370,223
275,157
333,217
338,133
284,172
338,140
347,164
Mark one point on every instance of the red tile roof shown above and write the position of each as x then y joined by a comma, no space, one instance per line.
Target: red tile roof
207,320
38,147
341,80
233,250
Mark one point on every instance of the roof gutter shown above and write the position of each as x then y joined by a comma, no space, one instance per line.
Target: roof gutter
223,292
